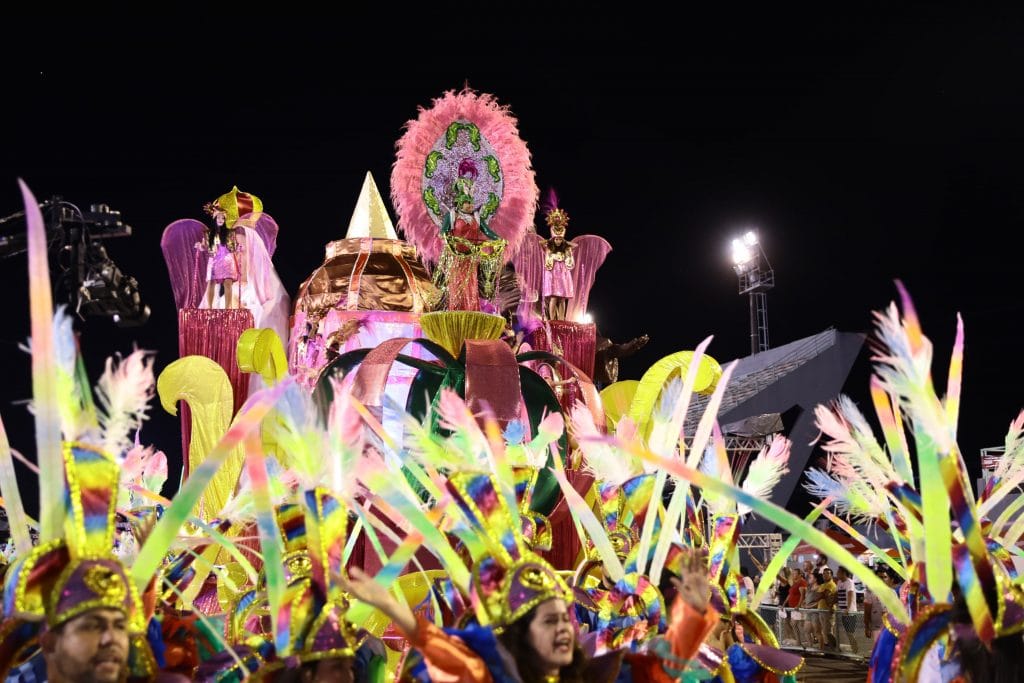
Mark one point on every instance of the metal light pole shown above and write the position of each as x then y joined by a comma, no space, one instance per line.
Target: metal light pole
756,277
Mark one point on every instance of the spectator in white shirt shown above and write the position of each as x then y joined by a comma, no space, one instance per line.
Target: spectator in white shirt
847,602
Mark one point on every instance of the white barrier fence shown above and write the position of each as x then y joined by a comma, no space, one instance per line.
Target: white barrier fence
820,630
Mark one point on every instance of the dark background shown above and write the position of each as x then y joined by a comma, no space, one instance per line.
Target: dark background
866,147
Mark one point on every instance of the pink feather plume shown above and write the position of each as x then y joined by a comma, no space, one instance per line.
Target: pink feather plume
496,123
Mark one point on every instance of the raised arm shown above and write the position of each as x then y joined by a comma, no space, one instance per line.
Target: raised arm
692,617
447,657
361,586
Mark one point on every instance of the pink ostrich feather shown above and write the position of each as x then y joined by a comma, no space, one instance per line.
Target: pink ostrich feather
496,123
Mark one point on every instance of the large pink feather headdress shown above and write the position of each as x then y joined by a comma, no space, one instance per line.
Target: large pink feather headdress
424,163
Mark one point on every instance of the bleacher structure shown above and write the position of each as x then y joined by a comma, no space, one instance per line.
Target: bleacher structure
776,391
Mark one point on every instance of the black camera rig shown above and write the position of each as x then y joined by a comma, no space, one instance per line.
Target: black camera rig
86,277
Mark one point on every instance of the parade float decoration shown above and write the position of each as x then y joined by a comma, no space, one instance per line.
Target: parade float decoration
224,283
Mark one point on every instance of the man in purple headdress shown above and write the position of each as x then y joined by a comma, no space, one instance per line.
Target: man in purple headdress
90,647
86,636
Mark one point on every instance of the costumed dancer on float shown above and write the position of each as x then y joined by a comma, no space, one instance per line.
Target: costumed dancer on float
223,268
473,253
465,195
559,273
227,267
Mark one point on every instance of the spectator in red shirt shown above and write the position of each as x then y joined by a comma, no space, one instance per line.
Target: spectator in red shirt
797,589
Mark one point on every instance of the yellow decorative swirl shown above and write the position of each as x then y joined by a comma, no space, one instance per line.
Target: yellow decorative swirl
204,386
261,351
653,381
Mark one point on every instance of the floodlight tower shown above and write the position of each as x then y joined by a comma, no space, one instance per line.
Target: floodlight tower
756,277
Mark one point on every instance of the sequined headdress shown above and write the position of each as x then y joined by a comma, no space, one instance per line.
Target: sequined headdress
556,218
509,579
307,621
64,578
233,205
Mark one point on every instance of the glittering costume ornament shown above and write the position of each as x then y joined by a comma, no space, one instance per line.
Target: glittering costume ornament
558,272
303,620
465,194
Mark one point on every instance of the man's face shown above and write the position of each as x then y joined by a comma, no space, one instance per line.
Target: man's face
91,648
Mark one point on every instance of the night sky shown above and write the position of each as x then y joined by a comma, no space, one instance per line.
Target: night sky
865,147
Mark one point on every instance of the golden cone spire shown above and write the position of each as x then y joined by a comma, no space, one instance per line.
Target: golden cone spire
370,217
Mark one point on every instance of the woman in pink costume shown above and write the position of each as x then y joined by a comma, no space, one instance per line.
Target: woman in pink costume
557,280
223,265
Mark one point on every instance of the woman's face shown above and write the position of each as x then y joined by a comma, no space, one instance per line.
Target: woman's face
551,635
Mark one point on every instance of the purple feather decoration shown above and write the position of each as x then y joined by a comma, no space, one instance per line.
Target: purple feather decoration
550,202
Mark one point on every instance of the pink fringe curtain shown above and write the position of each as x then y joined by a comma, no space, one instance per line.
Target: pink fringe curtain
212,333
576,343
